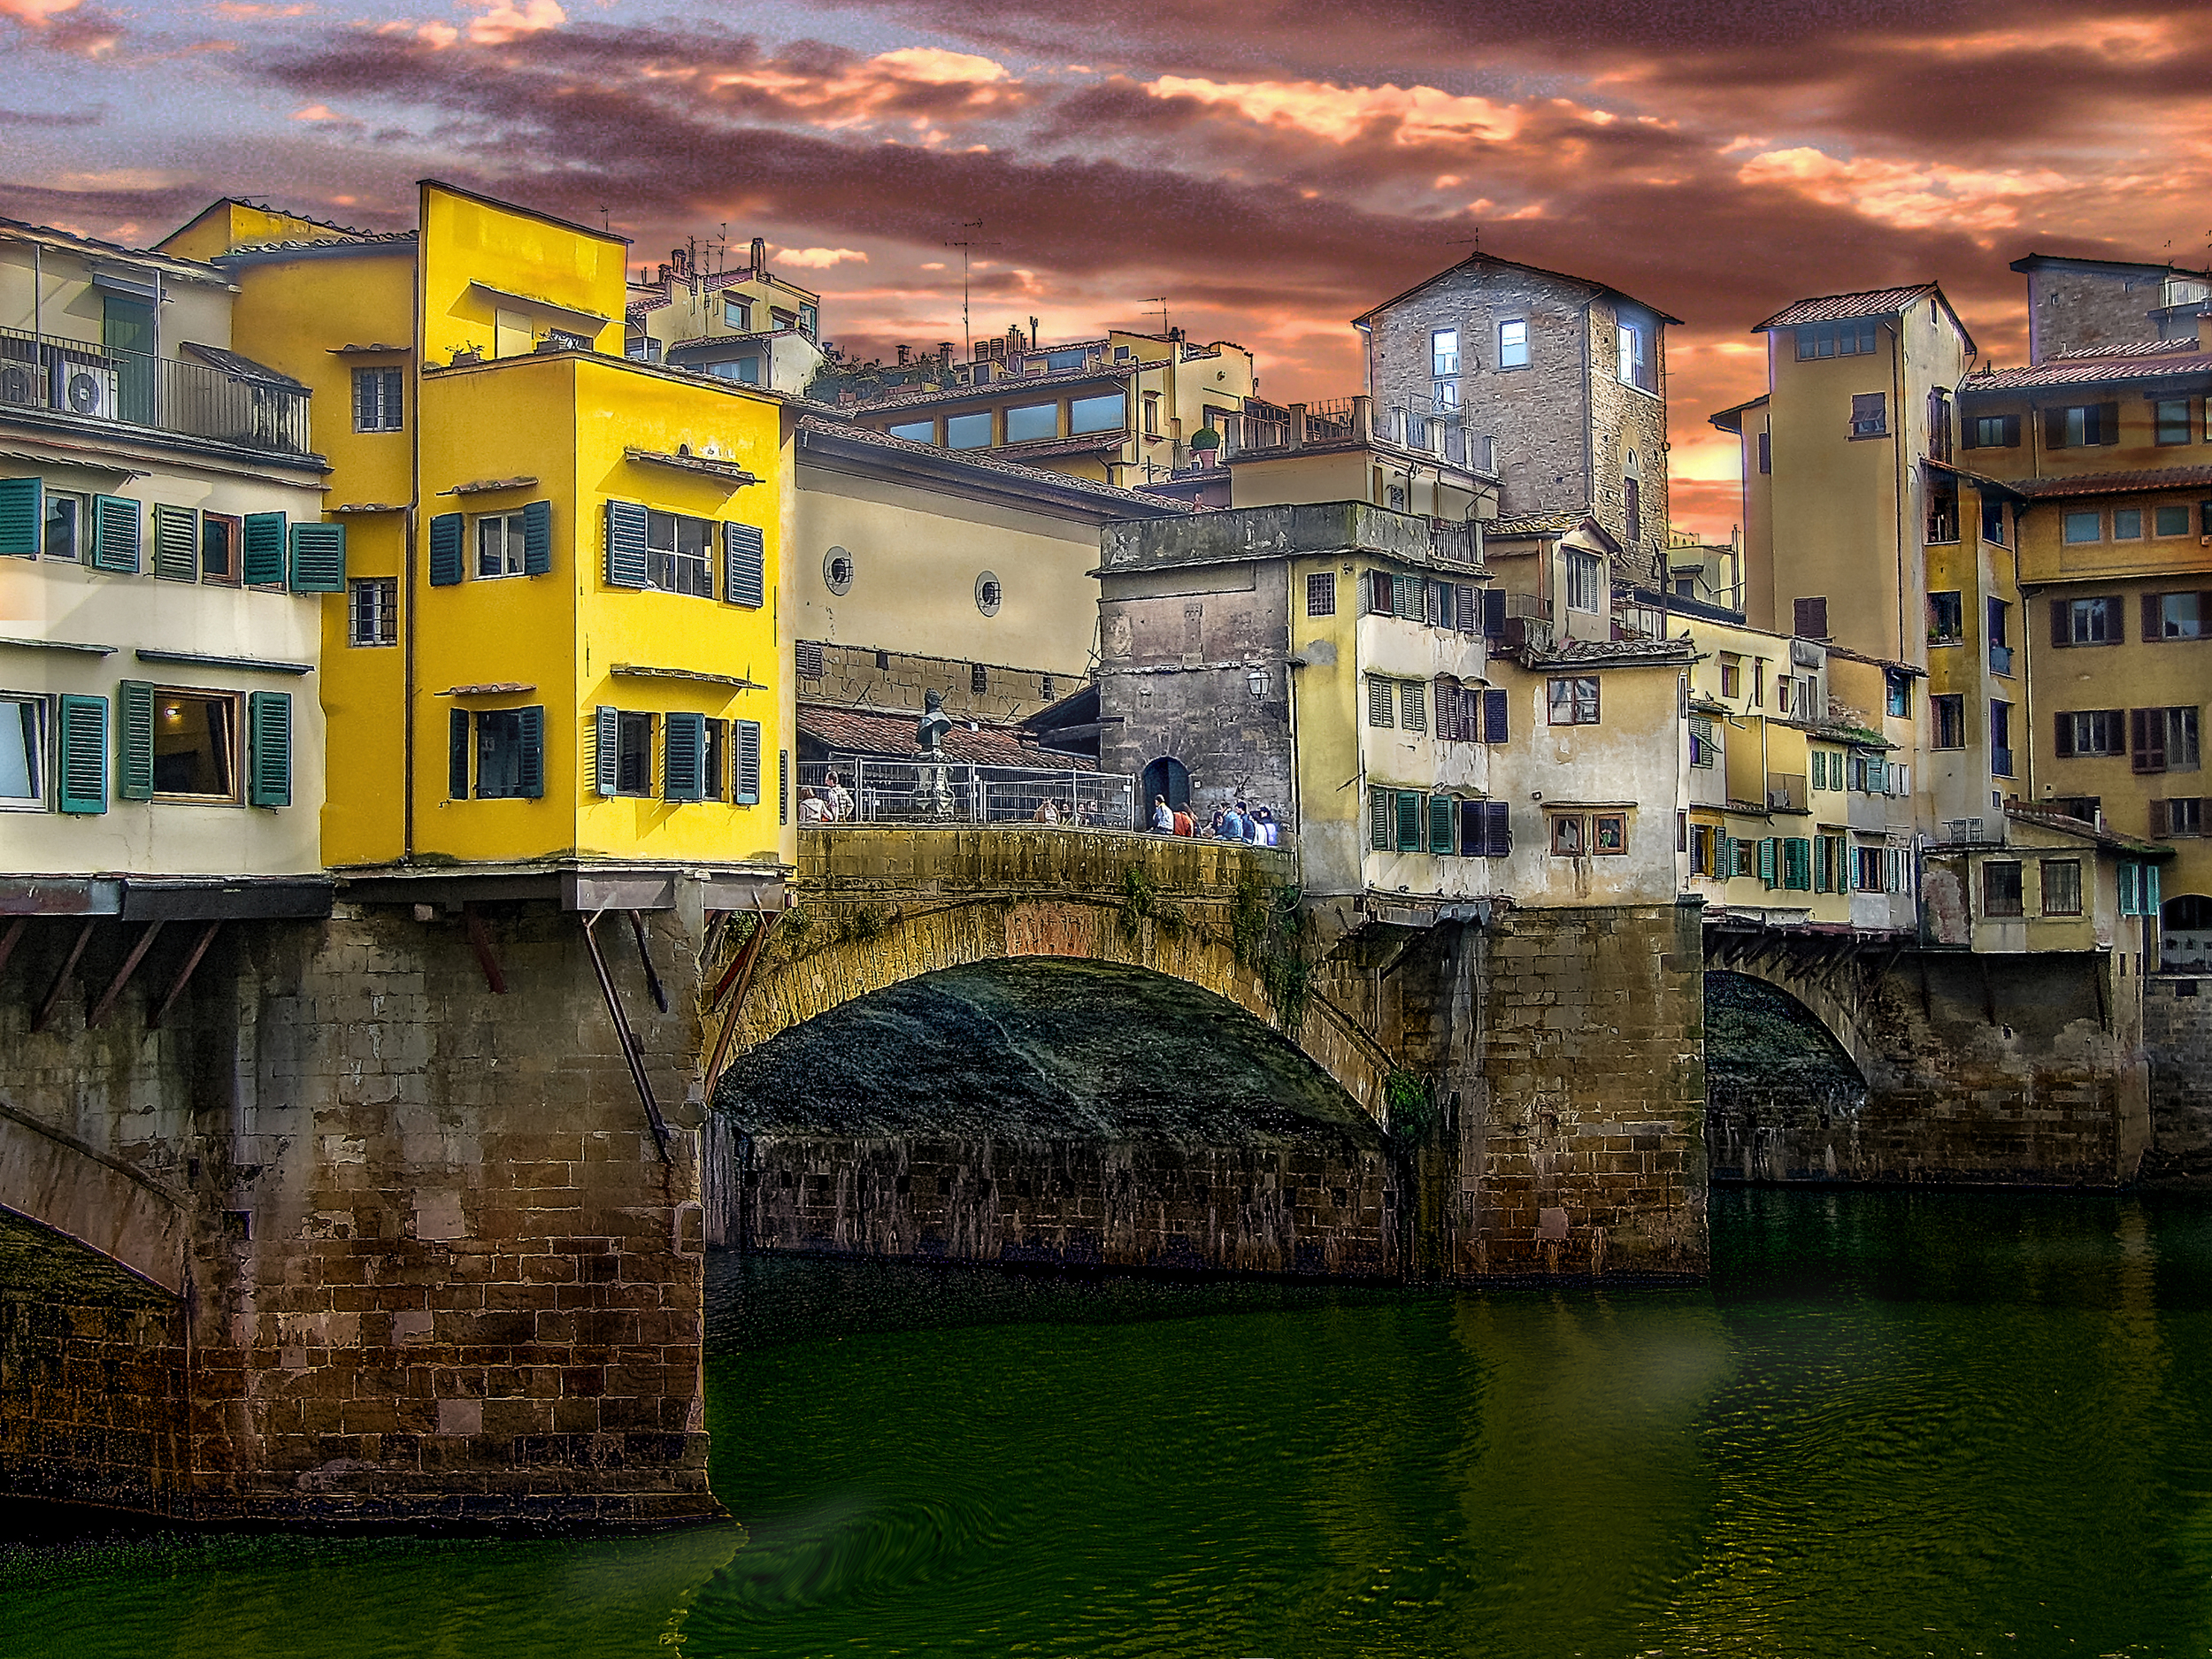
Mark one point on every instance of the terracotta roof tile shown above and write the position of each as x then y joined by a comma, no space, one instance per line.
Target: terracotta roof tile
2117,483
2089,372
862,732
1831,308
2132,349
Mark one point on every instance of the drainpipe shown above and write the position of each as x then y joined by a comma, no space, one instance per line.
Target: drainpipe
412,539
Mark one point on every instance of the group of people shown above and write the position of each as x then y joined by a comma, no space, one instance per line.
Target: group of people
1075,812
832,804
1254,826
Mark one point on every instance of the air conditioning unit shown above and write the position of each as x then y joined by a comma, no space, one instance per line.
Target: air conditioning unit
19,386
85,388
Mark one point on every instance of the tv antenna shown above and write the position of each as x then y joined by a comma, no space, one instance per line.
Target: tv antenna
967,329
1474,241
1159,300
605,222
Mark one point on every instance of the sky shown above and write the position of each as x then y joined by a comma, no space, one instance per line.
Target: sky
1265,170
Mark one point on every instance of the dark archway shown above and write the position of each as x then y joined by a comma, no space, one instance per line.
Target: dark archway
1169,777
1050,1109
2184,927
1780,1090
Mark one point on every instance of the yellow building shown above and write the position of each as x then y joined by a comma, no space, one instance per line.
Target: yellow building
559,642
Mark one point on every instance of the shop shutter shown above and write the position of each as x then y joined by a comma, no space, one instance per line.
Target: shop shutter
269,723
1442,811
134,740
532,781
22,516
1411,822
265,539
607,750
1497,830
537,538
83,749
319,558
683,761
745,771
176,543
449,537
115,535
457,755
1494,717
1381,834
744,566
625,544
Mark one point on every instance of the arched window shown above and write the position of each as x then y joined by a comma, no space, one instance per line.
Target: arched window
1169,777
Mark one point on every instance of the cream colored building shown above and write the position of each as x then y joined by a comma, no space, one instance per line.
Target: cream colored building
743,324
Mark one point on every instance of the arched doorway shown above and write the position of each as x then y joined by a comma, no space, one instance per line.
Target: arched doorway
1169,777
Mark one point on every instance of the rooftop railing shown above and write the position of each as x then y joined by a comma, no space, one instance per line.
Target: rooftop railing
87,381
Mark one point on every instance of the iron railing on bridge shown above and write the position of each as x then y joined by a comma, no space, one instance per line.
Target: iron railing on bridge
90,381
917,792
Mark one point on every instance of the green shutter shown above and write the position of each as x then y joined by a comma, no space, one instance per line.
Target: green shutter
83,748
683,761
176,543
537,538
745,768
1768,872
1381,834
1410,821
265,539
269,725
448,533
744,566
607,750
22,516
115,533
625,544
531,785
457,755
1797,864
319,558
1442,812
134,740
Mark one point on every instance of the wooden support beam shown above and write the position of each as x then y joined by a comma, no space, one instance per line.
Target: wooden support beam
122,977
748,954
7,939
632,1049
52,999
184,975
480,942
1989,996
652,980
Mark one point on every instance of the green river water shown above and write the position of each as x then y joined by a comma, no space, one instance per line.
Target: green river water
1894,1424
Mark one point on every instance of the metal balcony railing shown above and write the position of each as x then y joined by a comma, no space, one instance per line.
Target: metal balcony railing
87,381
914,792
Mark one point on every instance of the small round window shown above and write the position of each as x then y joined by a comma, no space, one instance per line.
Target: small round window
987,594
837,570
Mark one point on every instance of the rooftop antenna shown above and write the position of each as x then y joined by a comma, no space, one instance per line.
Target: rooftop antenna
605,222
725,262
1159,300
1460,242
967,330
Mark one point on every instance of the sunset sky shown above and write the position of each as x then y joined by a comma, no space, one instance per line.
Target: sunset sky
1269,169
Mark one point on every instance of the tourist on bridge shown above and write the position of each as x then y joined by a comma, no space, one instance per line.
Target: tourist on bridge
812,808
836,799
1162,816
1047,813
1185,824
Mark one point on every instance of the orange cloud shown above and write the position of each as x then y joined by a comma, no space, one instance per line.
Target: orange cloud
33,13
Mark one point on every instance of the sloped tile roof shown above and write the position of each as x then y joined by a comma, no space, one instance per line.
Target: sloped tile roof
244,368
2089,372
1617,653
1559,521
1833,308
2117,483
2132,349
862,732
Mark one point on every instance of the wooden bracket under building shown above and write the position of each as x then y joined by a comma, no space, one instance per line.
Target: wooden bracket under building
7,939
52,999
184,975
739,976
122,976
652,980
632,1049
480,942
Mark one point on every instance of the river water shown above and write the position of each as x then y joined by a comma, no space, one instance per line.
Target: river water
1894,1424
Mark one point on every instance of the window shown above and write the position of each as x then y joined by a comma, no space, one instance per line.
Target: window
499,754
1574,701
2062,886
737,314
1940,424
1513,344
1870,414
714,766
1032,422
373,611
499,544
1382,701
1152,414
195,752
1585,580
809,319
968,432
2170,520
1899,693
1444,352
2162,740
2086,622
377,399
1107,413
1458,712
2000,738
2177,616
679,553
1632,342
744,370
1608,833
2081,425
2178,816
1946,619
2090,732
1632,508
2084,526
1742,856
1993,432
1829,872
67,516
1446,395
632,767
1853,338
1992,521
1950,721
1568,838
22,751
1321,594
2000,887
1730,675
919,431
1413,713
2169,416
989,596
2127,523
218,548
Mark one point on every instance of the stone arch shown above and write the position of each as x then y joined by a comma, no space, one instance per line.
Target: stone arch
1837,1004
48,1175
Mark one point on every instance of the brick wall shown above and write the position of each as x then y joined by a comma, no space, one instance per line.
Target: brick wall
2178,1037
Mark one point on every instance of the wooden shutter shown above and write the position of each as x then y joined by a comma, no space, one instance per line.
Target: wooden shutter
134,740
537,538
1411,821
83,746
22,516
1380,834
2012,432
176,543
1497,830
2154,616
625,544
1766,860
115,533
744,566
1494,611
265,538
1465,611
607,750
684,756
1811,618
1380,590
1413,713
449,538
2159,819
457,755
269,725
2054,429
1380,708
2147,738
745,762
1405,597
2108,423
1495,720
531,781
1970,438
2061,624
1434,597
1797,863
1442,814
319,558
2062,736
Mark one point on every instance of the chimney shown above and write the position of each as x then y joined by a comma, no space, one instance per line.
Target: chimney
760,257
1033,334
902,356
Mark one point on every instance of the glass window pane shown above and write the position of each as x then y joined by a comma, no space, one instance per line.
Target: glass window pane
2170,520
2127,523
917,431
1097,414
968,432
19,750
2084,526
1032,422
194,745
499,754
1513,345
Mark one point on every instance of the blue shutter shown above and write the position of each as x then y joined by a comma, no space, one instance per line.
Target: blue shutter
265,540
744,566
607,750
537,538
1442,809
319,558
1380,834
683,766
745,769
134,740
456,754
1495,709
115,533
783,785
269,743
22,516
448,535
625,544
1497,830
531,784
83,748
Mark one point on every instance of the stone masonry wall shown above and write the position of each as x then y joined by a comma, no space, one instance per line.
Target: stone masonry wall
853,676
2178,1037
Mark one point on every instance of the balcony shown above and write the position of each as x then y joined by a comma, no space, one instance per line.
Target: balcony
226,398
